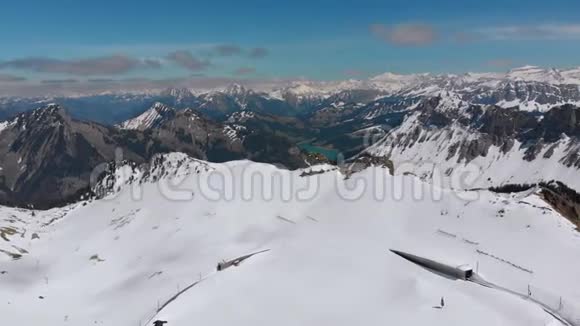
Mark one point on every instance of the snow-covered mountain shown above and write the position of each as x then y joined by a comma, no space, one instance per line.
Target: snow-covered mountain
529,113
538,74
155,116
180,94
148,251
545,75
498,145
531,88
46,157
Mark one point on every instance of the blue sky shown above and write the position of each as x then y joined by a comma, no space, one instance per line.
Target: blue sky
255,39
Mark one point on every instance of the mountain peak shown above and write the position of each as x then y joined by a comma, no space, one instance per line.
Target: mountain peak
235,90
155,116
52,108
160,107
537,74
47,113
178,93
526,67
190,113
302,88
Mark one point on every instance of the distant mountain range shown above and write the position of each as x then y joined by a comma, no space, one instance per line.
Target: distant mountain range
531,88
518,127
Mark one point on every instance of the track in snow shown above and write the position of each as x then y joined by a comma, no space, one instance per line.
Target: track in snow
233,262
480,281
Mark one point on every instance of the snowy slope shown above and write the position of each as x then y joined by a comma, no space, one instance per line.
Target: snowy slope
572,75
538,74
426,153
155,116
115,261
447,139
394,82
4,125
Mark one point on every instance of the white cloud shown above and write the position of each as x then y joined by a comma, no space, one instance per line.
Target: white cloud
538,32
107,65
406,34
